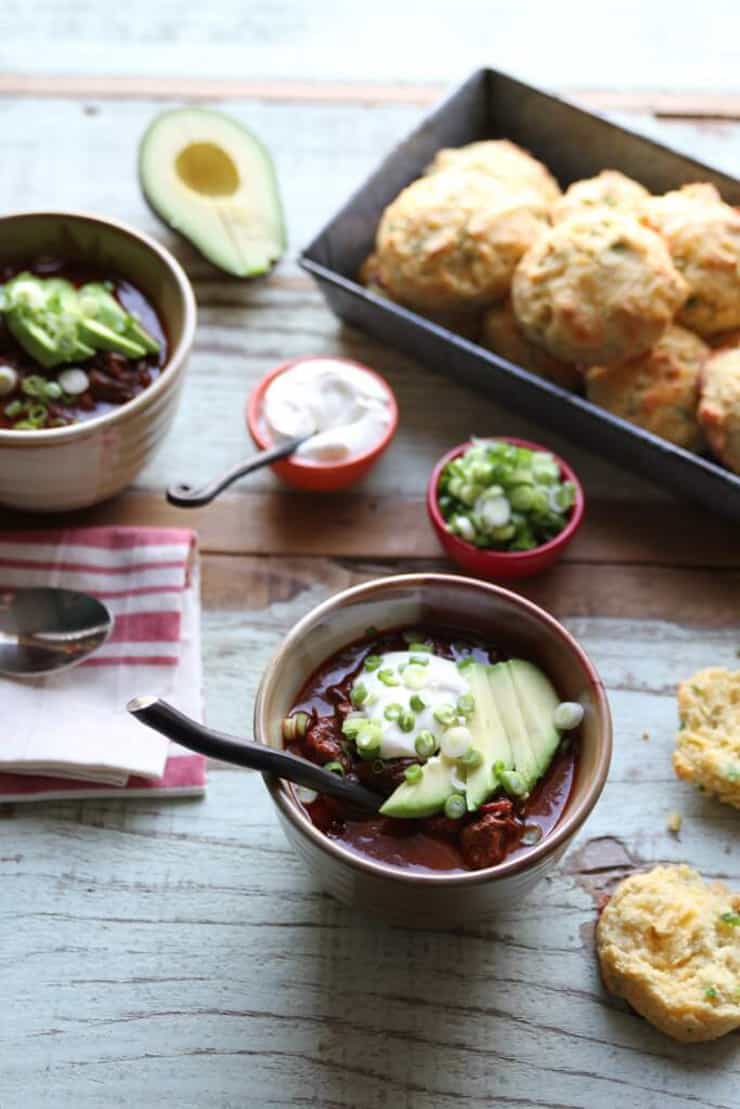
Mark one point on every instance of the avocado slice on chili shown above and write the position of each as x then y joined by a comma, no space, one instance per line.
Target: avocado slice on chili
211,179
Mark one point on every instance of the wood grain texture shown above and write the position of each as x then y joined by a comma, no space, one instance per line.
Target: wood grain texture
661,45
176,954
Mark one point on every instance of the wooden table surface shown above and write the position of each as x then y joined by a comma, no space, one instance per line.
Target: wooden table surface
175,953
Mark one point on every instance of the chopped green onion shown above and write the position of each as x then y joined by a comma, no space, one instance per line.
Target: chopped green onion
413,773
455,806
14,409
417,702
358,694
368,742
444,715
425,744
466,705
393,712
335,768
513,783
407,721
53,390
8,379
472,759
351,726
420,660
420,648
295,726
567,715
711,993
733,919
372,662
415,677
387,677
455,742
34,386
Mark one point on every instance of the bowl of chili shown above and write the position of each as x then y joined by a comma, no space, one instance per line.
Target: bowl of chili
446,867
57,451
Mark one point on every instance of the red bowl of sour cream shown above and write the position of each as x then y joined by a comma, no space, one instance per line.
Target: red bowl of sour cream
349,408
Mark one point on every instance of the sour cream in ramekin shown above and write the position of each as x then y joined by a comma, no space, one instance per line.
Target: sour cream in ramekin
345,409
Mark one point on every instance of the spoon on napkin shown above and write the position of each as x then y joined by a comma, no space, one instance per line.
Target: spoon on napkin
45,630
188,733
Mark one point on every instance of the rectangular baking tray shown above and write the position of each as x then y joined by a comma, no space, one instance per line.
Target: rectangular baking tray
574,143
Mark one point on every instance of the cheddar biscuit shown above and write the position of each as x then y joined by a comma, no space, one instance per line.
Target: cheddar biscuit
669,944
657,390
703,236
597,288
610,189
501,334
502,160
708,742
719,405
451,241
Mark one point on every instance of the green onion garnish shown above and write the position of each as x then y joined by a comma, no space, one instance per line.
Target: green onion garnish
387,677
412,773
392,712
358,694
417,702
425,744
335,768
455,806
406,721
372,662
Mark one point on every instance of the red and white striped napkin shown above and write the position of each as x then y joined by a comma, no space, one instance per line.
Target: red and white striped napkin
69,735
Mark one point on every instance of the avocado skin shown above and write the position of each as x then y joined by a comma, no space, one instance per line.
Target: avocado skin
215,243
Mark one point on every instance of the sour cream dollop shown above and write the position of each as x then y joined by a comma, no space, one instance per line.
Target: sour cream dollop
345,409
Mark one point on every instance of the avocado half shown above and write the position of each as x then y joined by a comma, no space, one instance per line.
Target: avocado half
209,178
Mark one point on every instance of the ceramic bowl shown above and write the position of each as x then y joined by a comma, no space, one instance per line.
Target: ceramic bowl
318,477
434,900
493,565
73,467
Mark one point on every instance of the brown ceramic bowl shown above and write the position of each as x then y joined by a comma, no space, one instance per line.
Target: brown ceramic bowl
64,468
434,900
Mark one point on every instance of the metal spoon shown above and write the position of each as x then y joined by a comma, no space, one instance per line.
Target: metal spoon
45,630
185,496
175,725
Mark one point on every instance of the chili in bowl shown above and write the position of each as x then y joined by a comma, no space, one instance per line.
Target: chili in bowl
96,324
473,714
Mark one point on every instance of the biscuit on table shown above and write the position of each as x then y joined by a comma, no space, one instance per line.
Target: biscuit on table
708,743
597,288
610,189
657,390
502,160
669,944
451,241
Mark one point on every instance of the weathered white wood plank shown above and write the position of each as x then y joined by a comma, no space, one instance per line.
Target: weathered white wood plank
654,46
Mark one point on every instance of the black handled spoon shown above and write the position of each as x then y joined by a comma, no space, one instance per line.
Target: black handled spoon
184,495
189,733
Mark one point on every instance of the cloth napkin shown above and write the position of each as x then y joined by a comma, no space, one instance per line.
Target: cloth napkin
71,731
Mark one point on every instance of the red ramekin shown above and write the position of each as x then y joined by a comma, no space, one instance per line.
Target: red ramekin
494,565
318,477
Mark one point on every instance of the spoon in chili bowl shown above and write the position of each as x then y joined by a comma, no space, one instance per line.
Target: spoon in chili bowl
169,721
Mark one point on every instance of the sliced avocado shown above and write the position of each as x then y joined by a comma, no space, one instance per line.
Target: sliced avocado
537,701
489,736
136,331
209,178
97,303
103,338
507,702
34,339
425,797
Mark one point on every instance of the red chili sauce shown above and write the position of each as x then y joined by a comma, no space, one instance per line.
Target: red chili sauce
500,828
114,379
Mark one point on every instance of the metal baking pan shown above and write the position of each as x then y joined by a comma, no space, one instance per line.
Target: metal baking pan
573,143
